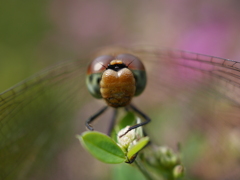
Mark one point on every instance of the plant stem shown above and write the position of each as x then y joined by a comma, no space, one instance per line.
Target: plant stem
142,169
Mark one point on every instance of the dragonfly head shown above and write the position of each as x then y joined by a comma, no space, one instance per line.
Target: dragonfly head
116,78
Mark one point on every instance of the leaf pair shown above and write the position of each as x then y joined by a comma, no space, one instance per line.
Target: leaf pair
105,149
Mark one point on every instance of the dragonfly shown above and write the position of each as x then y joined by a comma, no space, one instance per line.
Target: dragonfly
116,78
192,99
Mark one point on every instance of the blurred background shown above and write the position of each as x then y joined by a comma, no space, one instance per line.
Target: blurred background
37,34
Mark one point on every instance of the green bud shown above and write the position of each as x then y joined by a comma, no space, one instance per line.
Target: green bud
178,171
167,157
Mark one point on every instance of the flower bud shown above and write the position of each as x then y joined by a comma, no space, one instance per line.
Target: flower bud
127,139
178,171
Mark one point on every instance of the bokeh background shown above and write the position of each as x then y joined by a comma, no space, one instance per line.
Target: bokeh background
37,34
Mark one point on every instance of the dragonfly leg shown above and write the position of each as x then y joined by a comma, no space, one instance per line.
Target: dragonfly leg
92,118
147,119
112,122
126,109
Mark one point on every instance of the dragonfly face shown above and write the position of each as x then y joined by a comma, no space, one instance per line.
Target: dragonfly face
193,99
116,78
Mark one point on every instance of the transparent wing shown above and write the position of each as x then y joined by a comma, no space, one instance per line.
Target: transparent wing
36,119
194,101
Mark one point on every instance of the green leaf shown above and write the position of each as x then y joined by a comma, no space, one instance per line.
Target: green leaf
137,147
128,120
102,147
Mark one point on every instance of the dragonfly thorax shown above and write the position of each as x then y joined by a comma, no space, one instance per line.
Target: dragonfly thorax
117,85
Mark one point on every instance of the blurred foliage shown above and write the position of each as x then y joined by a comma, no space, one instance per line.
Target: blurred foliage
126,172
23,23
23,26
33,34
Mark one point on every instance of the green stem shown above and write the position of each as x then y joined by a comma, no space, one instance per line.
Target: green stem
142,169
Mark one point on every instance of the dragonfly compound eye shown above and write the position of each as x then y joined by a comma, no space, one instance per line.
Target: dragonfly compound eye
94,74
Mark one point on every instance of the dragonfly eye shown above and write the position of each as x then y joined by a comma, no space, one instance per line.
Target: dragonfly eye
99,64
94,74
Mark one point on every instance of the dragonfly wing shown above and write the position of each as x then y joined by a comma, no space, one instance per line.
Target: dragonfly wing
193,99
36,118
197,99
